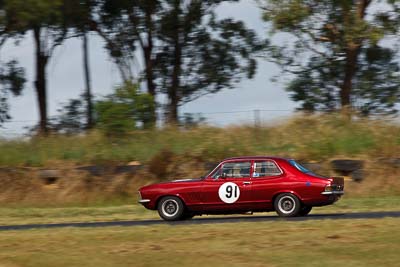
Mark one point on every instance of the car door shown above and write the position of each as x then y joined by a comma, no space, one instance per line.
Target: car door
228,188
267,177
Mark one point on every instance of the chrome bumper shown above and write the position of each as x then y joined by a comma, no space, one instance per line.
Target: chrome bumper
142,201
333,193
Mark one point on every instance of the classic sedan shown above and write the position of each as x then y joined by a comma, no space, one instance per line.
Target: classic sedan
244,185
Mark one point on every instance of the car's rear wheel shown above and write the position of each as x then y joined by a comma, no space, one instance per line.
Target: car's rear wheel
287,205
171,208
305,210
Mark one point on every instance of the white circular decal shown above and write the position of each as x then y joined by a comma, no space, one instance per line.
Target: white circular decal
229,192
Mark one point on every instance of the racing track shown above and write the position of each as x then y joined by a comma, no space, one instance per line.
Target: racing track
200,220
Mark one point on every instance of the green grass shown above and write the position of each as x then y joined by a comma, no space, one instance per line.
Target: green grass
311,243
28,215
307,138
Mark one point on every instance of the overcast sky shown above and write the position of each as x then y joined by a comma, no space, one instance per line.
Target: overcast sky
65,80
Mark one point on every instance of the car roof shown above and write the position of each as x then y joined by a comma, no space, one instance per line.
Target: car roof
256,158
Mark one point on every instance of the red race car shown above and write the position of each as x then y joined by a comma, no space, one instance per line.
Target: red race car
241,185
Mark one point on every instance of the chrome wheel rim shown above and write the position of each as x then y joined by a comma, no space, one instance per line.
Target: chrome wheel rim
170,207
287,204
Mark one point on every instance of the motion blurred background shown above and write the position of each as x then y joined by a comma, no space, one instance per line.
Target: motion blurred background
100,97
152,90
112,95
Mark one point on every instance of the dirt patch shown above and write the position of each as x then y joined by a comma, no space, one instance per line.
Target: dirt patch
27,186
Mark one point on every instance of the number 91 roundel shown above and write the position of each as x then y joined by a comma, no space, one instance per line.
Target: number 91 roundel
229,192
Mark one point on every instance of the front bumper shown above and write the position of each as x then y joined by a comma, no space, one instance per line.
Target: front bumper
333,193
144,201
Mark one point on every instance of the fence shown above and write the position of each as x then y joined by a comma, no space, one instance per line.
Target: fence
254,117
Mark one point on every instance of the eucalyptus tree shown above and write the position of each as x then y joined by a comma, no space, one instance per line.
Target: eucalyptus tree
337,53
45,20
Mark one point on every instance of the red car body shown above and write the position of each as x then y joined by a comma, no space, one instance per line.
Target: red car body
245,184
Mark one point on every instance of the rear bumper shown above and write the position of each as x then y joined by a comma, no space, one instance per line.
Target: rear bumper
144,201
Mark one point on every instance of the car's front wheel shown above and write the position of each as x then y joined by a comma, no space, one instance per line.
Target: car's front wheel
287,205
171,208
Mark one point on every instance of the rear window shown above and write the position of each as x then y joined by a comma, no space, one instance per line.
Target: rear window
304,169
299,166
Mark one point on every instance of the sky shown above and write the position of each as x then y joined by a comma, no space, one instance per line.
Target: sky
65,81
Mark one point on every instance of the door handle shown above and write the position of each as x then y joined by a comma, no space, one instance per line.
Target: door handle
246,183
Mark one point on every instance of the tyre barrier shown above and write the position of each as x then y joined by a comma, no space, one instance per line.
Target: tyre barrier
350,168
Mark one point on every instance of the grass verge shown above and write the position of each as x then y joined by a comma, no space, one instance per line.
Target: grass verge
312,243
303,137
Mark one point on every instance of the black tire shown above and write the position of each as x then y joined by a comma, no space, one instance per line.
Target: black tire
171,208
287,205
188,216
305,210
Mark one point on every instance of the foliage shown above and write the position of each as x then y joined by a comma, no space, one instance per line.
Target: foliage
125,110
187,51
189,120
12,80
336,53
376,84
71,118
24,15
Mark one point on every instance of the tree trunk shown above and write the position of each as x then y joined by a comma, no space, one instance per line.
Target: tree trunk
352,53
173,95
148,54
148,51
88,89
350,71
40,82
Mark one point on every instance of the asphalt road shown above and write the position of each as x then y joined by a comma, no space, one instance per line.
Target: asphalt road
200,220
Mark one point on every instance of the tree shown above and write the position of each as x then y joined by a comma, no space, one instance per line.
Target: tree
46,20
79,16
331,52
187,51
200,53
121,24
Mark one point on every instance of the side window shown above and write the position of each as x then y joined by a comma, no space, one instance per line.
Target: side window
265,169
236,169
217,173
